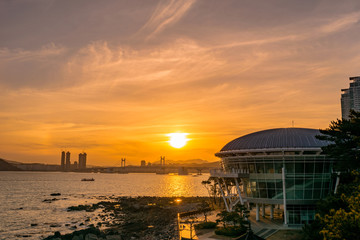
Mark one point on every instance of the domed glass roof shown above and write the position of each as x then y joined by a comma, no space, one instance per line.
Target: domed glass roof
277,138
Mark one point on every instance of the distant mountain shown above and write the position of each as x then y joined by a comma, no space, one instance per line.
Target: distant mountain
12,162
191,163
5,166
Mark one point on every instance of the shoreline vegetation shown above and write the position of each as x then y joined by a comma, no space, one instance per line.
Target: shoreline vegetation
134,218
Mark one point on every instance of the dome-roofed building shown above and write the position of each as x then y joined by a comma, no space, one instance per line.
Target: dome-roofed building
282,166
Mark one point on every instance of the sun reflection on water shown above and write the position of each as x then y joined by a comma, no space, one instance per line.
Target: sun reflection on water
177,185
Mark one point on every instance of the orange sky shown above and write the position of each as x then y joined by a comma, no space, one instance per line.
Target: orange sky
114,78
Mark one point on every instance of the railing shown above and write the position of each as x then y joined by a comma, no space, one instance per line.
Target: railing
229,171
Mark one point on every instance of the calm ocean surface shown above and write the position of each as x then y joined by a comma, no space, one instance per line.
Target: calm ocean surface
22,195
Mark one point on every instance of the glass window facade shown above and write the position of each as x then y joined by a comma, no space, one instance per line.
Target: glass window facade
300,214
307,177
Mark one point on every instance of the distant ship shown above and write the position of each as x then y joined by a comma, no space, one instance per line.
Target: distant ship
87,179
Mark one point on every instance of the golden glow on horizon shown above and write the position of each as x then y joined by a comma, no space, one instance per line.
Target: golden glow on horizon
178,140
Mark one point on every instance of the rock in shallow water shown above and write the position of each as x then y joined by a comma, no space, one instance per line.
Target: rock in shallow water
91,236
113,237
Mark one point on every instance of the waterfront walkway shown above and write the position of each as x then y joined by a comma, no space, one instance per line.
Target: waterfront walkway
263,228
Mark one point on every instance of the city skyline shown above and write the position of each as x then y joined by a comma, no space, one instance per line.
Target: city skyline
115,79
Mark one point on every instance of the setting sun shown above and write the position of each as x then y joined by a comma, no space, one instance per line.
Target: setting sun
177,140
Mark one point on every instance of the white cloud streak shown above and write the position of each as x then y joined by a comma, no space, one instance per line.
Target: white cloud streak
49,50
342,23
165,15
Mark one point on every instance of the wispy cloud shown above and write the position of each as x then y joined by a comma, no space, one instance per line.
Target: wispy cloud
166,14
179,61
341,23
44,52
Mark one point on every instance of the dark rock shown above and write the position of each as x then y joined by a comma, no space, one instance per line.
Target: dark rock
55,194
55,225
91,236
80,234
50,200
33,224
113,237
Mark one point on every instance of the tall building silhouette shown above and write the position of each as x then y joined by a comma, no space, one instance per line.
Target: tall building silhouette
82,160
350,97
63,160
75,165
67,162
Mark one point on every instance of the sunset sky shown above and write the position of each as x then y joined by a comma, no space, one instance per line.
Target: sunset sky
114,78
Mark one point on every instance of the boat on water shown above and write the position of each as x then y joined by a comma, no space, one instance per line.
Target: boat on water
87,179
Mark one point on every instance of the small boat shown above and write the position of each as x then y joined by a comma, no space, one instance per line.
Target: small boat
87,179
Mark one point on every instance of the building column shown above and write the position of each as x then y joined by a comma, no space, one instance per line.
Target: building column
271,212
284,195
257,212
263,210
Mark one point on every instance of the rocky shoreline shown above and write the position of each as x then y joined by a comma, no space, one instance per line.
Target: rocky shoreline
133,218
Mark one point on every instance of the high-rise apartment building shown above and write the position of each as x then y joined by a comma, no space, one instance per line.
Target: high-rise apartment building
75,166
63,160
67,162
350,97
82,160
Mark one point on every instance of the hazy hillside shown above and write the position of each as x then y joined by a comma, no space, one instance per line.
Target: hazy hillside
5,166
191,163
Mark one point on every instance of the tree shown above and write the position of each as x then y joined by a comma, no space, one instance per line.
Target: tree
238,217
338,216
211,187
205,208
223,218
344,222
233,222
344,142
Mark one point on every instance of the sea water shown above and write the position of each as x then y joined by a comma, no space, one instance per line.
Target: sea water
25,215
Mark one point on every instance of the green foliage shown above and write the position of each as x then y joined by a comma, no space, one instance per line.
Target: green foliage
312,231
344,136
206,225
343,223
233,222
338,215
231,231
